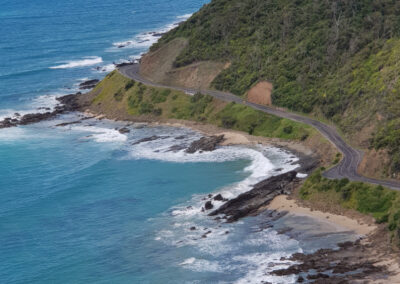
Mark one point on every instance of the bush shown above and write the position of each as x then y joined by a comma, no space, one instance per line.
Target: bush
228,121
129,85
145,108
118,96
288,129
157,111
142,89
158,97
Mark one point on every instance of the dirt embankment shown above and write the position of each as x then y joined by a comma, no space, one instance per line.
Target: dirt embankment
157,66
261,93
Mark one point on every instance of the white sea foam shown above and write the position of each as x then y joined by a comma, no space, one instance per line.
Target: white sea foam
260,166
12,134
136,58
300,175
146,39
259,266
202,265
40,104
87,61
105,68
253,258
100,134
188,261
215,245
184,17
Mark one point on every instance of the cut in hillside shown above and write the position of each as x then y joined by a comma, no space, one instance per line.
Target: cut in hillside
338,59
158,67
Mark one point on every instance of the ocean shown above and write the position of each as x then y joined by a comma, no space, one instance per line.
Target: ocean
85,204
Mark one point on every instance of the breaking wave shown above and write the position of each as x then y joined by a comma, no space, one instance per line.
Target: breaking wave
87,61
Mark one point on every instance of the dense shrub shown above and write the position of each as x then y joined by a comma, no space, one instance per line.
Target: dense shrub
129,85
118,96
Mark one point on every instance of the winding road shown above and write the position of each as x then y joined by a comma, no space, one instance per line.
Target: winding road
347,168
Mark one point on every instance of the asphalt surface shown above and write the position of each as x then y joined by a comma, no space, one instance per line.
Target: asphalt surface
347,168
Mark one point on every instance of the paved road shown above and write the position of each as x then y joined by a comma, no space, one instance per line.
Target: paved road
347,168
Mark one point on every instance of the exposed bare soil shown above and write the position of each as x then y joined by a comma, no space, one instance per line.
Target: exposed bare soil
261,93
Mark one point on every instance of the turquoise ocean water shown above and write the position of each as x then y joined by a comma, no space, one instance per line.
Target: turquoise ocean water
81,204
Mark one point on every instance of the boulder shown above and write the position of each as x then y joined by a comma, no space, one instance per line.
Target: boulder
219,197
208,205
124,130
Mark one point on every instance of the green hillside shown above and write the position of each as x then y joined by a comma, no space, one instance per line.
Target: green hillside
338,59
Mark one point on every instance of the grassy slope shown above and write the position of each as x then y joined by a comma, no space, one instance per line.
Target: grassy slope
116,94
383,204
331,57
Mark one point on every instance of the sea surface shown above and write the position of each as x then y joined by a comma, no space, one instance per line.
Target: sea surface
84,203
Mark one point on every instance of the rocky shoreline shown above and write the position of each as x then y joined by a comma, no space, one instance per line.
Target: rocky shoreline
344,265
68,103
350,262
250,202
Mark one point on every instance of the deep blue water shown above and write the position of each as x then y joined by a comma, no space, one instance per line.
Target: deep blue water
81,204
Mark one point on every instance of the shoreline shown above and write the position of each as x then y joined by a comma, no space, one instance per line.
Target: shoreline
232,137
366,229
281,203
361,225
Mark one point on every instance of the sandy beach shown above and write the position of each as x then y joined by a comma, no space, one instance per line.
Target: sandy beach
284,203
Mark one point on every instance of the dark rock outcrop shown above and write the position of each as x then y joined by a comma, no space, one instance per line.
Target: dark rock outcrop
205,144
219,197
69,123
90,84
208,205
124,130
68,103
123,63
307,164
344,265
176,148
250,202
148,139
180,137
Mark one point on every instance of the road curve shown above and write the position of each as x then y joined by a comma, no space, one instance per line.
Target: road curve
347,168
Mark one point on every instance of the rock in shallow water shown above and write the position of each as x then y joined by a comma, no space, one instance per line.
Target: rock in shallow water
219,197
205,144
208,205
69,103
124,130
